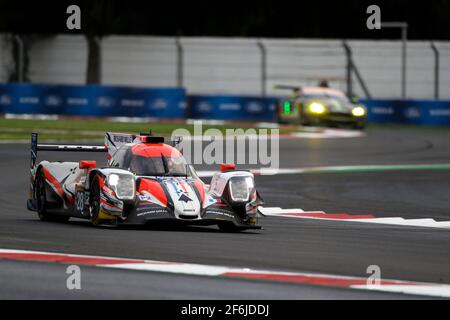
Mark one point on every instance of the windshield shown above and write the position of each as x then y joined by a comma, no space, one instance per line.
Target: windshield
334,102
342,100
158,166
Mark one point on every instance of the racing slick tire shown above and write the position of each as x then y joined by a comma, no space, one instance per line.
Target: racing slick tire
41,200
94,201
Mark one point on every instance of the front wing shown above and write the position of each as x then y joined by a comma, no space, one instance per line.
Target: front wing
211,215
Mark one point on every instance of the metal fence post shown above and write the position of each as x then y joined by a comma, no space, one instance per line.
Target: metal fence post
349,80
100,59
20,58
263,50
404,41
436,69
404,27
179,62
353,68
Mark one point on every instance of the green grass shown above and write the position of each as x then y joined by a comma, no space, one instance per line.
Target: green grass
82,129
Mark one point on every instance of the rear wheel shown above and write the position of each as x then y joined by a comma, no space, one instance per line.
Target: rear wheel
42,204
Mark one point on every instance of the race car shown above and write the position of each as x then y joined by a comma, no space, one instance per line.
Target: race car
319,106
144,180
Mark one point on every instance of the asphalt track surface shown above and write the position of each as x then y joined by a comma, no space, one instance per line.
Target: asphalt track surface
288,244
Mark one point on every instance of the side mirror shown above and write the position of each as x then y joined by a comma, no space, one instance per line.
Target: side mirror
227,167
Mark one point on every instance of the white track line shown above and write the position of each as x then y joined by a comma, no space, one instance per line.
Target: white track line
338,169
324,133
424,222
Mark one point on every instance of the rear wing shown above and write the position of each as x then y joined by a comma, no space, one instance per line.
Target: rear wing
35,147
113,141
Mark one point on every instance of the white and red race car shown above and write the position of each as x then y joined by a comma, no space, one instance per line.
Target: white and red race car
144,180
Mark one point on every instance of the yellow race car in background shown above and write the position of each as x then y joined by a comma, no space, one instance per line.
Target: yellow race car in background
320,106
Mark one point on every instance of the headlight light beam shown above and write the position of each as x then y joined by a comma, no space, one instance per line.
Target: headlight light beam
358,111
317,108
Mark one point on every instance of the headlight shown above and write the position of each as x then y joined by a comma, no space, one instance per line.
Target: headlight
241,188
123,185
358,111
113,179
316,108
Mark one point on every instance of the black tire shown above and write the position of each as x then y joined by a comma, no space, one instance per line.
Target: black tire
41,199
94,201
229,227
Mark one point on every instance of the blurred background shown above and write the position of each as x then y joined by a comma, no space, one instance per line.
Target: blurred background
222,60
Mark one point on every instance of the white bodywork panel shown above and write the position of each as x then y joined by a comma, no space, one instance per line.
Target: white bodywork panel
185,200
67,173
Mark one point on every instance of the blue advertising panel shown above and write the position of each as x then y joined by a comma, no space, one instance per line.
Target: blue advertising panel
225,107
426,112
92,100
119,101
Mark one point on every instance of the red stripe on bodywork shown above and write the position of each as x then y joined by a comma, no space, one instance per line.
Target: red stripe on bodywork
101,182
60,258
52,180
200,188
153,187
